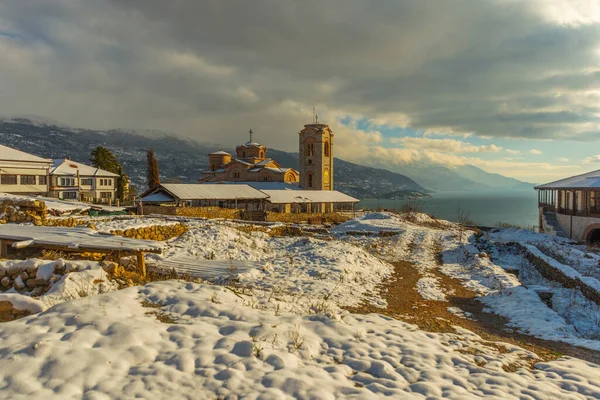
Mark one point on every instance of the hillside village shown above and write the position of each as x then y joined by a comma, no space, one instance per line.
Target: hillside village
265,282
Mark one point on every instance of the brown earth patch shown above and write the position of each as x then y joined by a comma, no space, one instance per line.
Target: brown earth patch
405,304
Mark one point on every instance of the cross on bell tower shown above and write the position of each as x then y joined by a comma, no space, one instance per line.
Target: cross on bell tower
250,132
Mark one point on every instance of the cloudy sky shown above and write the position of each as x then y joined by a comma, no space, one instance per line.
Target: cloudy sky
511,86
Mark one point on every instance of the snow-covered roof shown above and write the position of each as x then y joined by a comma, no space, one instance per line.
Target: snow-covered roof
274,170
219,153
159,197
69,167
264,162
263,185
251,144
308,196
199,191
10,154
74,238
589,180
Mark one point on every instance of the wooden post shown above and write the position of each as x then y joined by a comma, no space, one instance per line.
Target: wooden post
141,263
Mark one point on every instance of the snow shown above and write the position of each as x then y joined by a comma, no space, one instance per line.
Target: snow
59,206
281,331
23,303
429,289
80,279
111,346
372,222
307,269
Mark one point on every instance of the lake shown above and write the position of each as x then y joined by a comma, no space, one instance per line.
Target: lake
486,208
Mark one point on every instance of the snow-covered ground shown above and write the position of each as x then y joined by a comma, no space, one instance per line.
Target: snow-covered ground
212,345
301,270
69,279
281,331
572,319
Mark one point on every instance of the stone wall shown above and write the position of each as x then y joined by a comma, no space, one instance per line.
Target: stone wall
23,210
304,217
23,276
198,212
156,232
554,274
580,224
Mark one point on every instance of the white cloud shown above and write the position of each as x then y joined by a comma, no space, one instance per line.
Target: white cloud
510,151
563,159
143,64
445,145
592,160
535,152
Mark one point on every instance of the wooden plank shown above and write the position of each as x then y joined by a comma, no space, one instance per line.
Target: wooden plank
141,263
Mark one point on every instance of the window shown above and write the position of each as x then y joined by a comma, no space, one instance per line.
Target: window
310,149
309,161
87,181
8,180
67,181
309,179
106,195
326,149
595,202
326,177
70,195
42,180
27,179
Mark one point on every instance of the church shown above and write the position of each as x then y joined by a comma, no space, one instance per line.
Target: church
262,184
252,165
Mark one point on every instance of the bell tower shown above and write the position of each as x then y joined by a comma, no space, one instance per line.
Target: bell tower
316,157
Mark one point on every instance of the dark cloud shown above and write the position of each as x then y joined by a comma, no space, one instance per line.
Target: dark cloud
211,69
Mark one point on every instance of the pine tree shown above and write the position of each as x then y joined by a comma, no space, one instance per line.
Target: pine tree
104,159
152,172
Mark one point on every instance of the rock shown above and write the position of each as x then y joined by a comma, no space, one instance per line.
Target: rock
3,272
6,307
15,270
483,254
38,291
32,283
19,284
24,275
110,267
6,281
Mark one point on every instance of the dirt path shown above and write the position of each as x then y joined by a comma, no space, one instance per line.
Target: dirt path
405,303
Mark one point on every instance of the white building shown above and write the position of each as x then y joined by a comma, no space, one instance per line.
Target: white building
570,207
23,173
73,180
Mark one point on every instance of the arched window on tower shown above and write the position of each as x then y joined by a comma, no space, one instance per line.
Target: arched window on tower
326,177
309,179
310,149
326,150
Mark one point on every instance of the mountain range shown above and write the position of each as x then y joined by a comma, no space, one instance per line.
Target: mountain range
183,160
